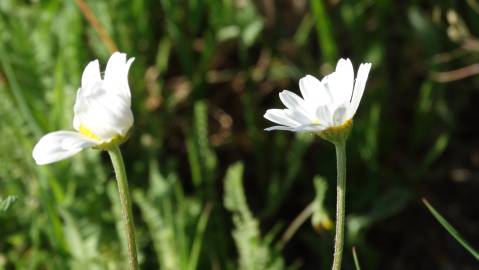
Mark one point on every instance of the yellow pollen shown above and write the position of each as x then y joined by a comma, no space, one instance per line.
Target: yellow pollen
102,144
85,131
343,126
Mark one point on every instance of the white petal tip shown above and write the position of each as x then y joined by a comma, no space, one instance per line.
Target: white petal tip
58,146
284,128
366,65
117,53
308,77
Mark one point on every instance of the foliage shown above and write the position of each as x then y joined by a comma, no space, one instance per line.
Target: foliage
205,71
356,260
451,230
254,252
5,203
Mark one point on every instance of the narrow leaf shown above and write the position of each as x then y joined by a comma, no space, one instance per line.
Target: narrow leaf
198,239
451,230
356,261
5,203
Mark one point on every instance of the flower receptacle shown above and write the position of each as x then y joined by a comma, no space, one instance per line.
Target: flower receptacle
103,145
115,141
337,134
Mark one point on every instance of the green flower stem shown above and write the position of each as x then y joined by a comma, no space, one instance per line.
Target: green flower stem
119,166
340,204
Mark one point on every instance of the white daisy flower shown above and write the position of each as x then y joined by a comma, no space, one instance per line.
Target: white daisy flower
102,113
326,105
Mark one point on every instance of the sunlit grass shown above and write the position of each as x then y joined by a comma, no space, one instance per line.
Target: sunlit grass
204,73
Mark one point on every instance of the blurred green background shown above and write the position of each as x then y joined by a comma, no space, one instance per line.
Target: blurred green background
211,189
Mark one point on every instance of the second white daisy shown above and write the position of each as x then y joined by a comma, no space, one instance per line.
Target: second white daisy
326,104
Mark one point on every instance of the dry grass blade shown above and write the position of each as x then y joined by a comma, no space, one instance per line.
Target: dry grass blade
93,21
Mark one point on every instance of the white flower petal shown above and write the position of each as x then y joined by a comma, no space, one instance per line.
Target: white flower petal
115,65
91,75
313,91
280,128
116,74
326,82
78,106
339,116
291,100
280,117
295,103
300,116
323,114
359,86
310,128
105,115
59,145
341,81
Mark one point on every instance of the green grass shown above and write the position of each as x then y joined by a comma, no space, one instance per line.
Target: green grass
211,189
451,230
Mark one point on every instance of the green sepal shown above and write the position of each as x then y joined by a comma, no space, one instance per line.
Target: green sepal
337,134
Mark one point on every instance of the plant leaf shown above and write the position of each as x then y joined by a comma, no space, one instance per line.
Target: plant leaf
5,203
451,230
356,261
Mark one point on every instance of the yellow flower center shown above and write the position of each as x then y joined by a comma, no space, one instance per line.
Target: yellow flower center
85,131
342,127
115,140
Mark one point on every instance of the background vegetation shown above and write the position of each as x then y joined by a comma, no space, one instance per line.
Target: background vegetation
211,189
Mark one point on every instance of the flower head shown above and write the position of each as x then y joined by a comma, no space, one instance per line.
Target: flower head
102,113
327,106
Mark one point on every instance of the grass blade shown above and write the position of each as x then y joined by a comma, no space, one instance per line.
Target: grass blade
198,240
325,31
18,95
5,203
356,261
451,230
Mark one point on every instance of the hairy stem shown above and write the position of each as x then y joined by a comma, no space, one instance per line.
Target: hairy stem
119,166
340,204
